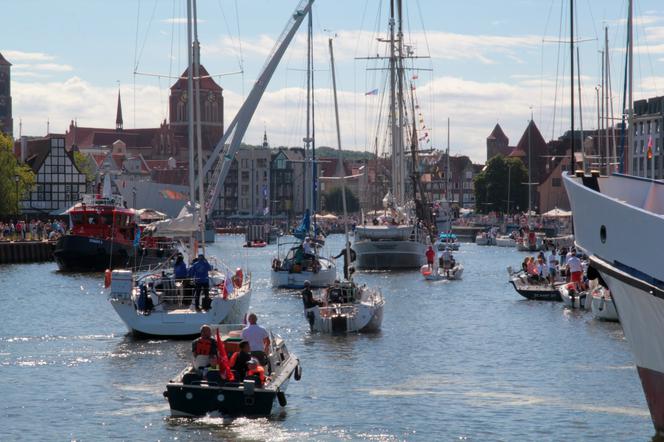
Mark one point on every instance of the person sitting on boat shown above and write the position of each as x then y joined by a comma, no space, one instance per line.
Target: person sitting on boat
213,374
203,347
199,272
524,264
256,372
541,267
258,337
306,247
239,359
431,255
298,259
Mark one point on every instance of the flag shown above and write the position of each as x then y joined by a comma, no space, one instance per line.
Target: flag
415,77
223,359
650,147
372,92
228,285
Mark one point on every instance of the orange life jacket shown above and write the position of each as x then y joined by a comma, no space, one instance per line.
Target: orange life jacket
260,371
203,347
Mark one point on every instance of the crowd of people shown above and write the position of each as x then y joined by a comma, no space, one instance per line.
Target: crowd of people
547,268
33,230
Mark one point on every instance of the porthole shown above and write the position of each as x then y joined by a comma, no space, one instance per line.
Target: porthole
602,233
189,395
220,398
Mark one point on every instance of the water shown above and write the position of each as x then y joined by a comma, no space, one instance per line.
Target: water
467,360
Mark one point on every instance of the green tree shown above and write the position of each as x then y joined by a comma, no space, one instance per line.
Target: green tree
491,186
83,164
334,203
10,170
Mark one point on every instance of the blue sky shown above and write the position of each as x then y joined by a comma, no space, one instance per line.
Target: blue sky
489,63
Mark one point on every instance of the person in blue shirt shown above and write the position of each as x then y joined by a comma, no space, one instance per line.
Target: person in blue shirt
199,272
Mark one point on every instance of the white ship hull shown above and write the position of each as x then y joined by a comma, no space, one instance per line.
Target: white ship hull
618,221
323,278
602,305
365,315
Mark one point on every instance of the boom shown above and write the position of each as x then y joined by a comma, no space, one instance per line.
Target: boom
223,153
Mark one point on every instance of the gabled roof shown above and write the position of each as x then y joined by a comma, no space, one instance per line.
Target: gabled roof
207,83
537,143
498,134
3,61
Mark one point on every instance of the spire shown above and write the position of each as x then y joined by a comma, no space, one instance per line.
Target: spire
118,115
265,143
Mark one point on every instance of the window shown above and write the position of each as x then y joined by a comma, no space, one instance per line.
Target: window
245,175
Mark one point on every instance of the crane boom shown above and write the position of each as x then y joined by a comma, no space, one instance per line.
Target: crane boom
224,151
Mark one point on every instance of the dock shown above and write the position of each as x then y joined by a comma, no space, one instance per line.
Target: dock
14,252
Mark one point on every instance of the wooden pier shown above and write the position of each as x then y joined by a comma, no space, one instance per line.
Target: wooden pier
14,252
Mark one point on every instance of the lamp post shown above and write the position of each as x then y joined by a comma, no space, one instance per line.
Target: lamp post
18,208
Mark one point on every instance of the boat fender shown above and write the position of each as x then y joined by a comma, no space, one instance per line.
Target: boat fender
602,300
107,278
298,372
281,397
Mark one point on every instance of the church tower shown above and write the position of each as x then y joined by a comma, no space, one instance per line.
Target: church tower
6,121
118,114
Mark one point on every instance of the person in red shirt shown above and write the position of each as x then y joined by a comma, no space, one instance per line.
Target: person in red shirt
431,255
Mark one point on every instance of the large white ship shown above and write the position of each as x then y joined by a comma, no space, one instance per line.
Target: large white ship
618,221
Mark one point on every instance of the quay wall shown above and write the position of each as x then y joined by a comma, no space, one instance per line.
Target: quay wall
13,252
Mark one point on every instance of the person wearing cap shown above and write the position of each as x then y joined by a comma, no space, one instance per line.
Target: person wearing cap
308,297
199,272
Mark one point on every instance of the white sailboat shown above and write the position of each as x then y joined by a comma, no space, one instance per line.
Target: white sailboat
346,306
230,293
619,220
397,239
303,260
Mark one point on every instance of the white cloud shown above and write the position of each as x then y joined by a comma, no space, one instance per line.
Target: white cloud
13,56
54,67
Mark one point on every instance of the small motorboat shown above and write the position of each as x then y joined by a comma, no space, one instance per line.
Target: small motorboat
191,393
602,305
505,241
573,297
533,289
448,241
438,273
485,239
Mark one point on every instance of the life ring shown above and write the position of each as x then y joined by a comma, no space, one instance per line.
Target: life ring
107,278
298,372
281,397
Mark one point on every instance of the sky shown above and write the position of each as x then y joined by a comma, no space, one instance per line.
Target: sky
483,62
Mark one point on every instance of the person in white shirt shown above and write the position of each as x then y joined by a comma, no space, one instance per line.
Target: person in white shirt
553,262
575,269
258,338
306,245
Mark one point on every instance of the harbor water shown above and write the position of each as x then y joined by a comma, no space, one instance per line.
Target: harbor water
455,360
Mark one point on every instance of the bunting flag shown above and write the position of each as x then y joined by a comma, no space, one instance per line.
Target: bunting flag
650,147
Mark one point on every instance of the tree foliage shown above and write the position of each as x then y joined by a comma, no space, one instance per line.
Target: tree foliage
334,203
83,164
491,186
9,170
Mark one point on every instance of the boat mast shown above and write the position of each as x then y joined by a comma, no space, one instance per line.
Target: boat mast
190,105
307,140
610,100
393,105
196,116
601,116
578,82
343,178
605,81
571,89
447,165
630,55
314,167
400,100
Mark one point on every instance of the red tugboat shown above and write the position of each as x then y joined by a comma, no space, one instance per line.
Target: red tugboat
106,234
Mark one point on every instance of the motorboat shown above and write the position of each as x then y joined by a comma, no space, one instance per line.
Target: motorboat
347,307
172,313
485,239
449,241
532,288
439,273
531,242
193,392
505,241
573,297
602,305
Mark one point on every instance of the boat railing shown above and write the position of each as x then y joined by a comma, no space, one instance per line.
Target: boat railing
338,310
91,199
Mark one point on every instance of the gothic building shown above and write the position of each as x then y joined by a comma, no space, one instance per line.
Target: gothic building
6,121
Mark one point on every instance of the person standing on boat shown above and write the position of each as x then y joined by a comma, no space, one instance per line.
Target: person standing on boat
203,347
353,256
431,255
575,269
553,263
309,302
446,259
258,337
199,272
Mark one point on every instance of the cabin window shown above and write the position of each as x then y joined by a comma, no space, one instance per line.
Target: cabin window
76,218
107,219
91,219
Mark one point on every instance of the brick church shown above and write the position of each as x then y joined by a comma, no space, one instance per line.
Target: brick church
170,139
6,121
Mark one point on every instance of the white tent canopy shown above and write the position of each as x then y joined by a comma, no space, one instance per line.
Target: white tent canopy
185,224
557,213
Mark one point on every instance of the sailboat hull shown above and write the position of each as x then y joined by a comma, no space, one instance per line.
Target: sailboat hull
389,255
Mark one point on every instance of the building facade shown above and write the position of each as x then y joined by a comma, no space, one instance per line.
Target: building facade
648,124
59,182
6,120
